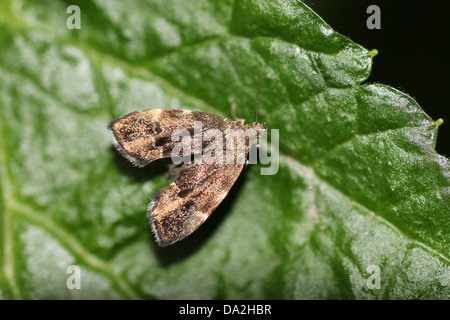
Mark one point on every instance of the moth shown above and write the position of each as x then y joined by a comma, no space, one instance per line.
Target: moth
201,184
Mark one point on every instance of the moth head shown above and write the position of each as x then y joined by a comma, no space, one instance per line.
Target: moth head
260,128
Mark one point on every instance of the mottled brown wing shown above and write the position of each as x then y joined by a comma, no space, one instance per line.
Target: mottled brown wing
144,136
179,209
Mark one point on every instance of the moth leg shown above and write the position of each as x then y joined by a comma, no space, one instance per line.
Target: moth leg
233,114
176,170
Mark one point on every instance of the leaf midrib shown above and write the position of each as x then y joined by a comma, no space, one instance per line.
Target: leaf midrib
6,225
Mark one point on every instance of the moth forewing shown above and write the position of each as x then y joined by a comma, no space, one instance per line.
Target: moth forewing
145,136
179,209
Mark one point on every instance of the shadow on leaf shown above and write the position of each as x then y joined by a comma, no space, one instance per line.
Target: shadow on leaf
139,174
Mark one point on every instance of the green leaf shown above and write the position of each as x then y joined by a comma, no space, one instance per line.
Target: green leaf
359,188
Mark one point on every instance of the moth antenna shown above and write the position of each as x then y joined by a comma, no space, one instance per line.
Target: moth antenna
257,99
233,111
257,95
233,114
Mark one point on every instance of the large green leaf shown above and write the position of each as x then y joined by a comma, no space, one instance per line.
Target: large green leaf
359,183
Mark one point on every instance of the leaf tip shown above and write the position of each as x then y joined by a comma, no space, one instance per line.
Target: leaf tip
372,53
438,122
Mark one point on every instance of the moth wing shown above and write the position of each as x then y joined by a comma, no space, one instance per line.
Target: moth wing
179,209
145,136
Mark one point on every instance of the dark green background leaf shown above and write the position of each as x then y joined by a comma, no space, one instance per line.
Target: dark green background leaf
359,183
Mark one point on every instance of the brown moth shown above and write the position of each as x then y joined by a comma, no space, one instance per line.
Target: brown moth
180,208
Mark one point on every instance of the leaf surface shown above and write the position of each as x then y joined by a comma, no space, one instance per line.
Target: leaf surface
359,183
